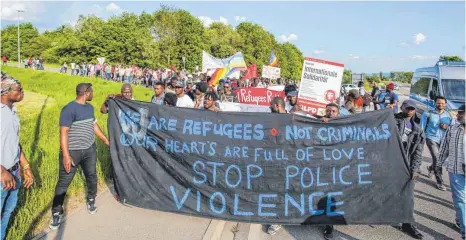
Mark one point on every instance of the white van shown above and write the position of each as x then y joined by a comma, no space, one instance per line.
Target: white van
446,79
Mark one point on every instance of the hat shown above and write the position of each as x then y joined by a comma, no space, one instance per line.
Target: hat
408,103
190,76
292,93
354,93
391,86
461,108
179,84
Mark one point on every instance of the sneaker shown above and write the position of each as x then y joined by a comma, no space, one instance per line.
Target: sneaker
273,229
328,232
441,187
91,208
411,230
55,221
430,172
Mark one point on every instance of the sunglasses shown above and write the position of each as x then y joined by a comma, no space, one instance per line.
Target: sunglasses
89,87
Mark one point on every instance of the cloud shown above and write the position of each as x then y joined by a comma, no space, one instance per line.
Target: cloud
289,38
31,11
207,21
404,44
420,57
240,18
354,56
114,8
316,52
418,38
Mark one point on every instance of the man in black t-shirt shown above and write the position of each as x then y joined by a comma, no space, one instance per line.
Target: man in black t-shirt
77,147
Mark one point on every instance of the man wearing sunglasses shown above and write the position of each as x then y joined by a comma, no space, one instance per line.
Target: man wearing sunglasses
228,96
77,147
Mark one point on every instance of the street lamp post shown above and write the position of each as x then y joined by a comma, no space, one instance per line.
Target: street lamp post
19,47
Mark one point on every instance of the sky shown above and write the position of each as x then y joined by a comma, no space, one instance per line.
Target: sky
365,36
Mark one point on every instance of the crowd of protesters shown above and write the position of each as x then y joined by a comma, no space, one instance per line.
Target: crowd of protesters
78,128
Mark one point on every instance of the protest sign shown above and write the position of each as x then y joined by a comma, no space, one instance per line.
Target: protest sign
270,72
258,96
260,167
320,84
241,107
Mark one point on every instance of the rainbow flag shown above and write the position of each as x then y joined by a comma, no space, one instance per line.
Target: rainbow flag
232,64
273,60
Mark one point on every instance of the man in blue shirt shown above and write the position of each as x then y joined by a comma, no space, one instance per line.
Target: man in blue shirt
435,123
390,99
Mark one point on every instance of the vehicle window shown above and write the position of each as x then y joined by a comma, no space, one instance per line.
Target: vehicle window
421,86
453,89
435,87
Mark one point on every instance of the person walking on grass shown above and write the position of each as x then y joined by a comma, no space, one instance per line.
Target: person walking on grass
12,156
435,123
77,147
452,154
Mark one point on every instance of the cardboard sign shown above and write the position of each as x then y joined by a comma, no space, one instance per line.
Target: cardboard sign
320,84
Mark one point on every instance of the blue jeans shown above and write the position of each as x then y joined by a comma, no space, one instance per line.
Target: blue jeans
128,79
9,201
457,194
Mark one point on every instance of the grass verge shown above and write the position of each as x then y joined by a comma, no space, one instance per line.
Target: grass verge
46,94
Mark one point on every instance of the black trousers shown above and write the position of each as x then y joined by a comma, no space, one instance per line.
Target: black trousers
87,160
434,152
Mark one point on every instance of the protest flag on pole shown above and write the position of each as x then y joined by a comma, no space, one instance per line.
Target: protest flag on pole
251,72
273,60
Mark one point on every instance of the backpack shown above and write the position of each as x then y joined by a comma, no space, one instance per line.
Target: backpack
367,98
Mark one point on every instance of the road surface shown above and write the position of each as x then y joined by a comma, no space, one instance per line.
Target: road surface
434,214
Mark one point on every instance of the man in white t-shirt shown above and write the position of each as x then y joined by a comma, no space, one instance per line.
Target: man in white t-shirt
183,99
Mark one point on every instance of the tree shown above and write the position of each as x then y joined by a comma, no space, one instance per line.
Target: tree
10,41
451,59
346,76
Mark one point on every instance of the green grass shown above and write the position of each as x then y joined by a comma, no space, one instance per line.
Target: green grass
46,94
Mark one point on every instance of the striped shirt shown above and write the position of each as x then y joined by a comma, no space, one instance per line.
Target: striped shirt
80,119
452,150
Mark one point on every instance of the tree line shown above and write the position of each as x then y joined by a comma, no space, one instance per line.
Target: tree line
160,39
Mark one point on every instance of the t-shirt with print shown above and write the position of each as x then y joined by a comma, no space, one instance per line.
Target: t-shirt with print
390,99
80,119
408,129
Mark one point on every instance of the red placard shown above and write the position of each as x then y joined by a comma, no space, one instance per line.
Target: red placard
257,96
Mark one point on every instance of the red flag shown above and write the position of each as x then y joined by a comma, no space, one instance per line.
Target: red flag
251,72
173,67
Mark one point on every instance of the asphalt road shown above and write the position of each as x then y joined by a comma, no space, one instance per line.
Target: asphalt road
434,214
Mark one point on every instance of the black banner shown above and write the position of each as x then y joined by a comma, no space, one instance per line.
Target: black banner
260,167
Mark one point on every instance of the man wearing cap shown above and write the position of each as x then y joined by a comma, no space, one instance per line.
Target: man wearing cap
227,95
452,154
159,93
126,92
12,156
77,147
183,99
413,139
200,91
390,99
